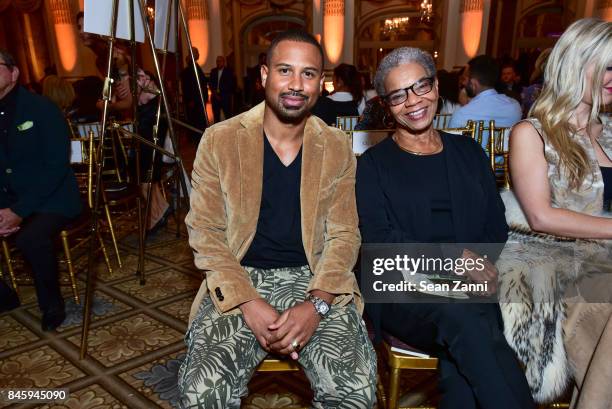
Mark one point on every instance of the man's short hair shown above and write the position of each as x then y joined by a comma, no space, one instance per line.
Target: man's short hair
485,70
7,58
299,36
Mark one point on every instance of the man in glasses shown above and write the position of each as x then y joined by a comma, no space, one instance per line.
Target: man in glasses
486,103
38,191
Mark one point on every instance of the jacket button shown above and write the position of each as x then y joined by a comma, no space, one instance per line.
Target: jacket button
219,294
9,170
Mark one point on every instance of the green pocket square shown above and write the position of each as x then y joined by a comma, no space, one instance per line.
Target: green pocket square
25,126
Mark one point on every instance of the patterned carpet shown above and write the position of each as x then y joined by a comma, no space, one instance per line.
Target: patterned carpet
135,341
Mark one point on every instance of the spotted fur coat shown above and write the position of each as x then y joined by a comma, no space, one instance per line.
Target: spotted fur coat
535,272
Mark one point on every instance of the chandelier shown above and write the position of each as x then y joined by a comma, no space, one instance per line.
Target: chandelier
426,11
396,25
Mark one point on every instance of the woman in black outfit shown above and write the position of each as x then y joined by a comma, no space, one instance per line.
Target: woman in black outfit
421,185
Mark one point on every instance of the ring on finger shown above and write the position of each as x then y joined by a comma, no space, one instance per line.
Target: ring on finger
295,345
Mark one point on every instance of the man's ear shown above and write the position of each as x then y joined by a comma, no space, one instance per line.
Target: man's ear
264,75
15,74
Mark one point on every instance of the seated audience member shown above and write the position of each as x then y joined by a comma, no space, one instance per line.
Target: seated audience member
121,99
278,274
486,103
368,92
561,168
448,88
38,191
88,91
60,92
463,80
375,116
532,92
426,186
148,99
345,98
509,81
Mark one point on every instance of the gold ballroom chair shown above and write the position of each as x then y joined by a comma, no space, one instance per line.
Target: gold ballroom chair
468,130
441,121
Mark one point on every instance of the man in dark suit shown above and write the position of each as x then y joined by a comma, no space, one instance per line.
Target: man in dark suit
38,191
194,110
222,86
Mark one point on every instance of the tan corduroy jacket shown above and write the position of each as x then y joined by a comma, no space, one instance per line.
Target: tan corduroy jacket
225,200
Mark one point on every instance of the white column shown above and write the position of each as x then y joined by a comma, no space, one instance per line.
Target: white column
604,9
464,37
196,14
333,32
349,32
65,35
215,39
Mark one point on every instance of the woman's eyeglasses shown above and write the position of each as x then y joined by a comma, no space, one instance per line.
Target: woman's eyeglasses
421,87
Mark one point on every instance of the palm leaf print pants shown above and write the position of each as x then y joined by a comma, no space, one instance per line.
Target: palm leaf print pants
223,353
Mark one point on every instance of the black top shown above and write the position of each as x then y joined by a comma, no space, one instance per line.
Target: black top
606,172
327,109
278,239
8,105
398,203
395,191
429,170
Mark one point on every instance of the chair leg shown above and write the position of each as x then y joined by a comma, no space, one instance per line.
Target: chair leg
9,265
105,254
140,269
112,232
394,379
75,292
177,200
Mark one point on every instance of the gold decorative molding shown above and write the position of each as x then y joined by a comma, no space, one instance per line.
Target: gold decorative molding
471,5
196,9
334,8
60,9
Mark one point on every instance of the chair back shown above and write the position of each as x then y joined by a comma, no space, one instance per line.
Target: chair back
468,130
497,148
362,140
82,159
346,123
441,121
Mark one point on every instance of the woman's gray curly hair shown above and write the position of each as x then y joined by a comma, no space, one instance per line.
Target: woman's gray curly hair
397,57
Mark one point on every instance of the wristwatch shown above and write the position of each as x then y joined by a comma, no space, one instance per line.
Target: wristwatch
321,306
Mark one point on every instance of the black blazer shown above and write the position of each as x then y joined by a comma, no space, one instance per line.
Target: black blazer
227,84
35,172
478,211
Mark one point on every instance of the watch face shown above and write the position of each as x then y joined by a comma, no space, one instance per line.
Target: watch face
323,308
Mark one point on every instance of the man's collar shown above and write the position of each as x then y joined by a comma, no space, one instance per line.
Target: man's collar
10,97
488,91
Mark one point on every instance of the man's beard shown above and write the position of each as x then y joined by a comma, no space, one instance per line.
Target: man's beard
289,114
469,90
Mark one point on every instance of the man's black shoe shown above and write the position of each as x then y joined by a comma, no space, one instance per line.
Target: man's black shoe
8,298
9,301
52,319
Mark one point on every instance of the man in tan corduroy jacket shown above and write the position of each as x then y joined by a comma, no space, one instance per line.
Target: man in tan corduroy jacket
273,225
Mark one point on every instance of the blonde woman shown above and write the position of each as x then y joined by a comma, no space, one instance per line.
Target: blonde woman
559,268
59,91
